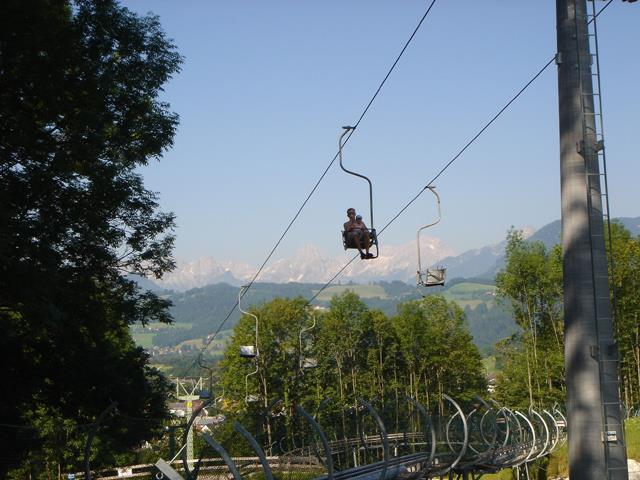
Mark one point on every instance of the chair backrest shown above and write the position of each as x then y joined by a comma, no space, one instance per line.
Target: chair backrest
248,351
432,277
436,276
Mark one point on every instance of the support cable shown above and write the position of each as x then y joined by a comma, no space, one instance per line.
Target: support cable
442,170
414,198
400,212
455,157
324,173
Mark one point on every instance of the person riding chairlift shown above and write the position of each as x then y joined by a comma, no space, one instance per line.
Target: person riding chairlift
357,233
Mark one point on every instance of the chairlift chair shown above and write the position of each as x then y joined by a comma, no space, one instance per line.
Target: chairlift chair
248,351
431,277
348,243
250,397
307,362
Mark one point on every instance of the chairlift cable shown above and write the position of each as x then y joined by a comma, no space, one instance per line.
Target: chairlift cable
335,157
442,170
482,130
469,143
395,217
324,173
393,66
415,197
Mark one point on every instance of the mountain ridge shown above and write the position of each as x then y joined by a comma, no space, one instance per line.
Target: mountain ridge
309,264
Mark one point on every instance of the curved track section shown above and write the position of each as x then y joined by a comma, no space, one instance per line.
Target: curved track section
405,440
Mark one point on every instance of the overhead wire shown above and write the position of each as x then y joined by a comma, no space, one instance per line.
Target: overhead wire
442,170
469,143
416,196
391,221
453,159
482,130
322,176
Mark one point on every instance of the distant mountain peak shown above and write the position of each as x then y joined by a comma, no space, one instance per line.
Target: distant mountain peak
309,264
527,231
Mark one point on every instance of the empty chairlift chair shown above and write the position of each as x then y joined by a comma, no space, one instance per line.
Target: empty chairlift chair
305,361
249,351
430,277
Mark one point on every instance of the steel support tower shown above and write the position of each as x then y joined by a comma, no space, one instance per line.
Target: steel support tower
186,390
595,432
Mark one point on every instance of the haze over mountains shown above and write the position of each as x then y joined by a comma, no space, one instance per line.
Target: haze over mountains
396,262
309,265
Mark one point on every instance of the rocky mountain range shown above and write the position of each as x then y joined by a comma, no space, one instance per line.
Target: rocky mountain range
310,265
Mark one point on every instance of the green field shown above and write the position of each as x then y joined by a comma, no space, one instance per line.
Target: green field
468,290
143,336
159,326
471,287
143,340
471,294
489,364
632,432
471,303
363,291
216,346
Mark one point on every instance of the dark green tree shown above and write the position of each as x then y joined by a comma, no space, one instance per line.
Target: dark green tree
252,385
626,284
342,358
79,114
531,286
438,351
424,351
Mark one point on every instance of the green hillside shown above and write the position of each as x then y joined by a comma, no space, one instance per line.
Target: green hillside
199,312
471,294
363,291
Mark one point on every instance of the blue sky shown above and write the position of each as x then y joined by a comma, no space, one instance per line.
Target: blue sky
266,86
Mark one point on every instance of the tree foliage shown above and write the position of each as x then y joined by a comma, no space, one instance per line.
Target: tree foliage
532,360
531,285
79,113
423,351
625,287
